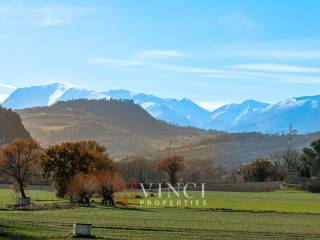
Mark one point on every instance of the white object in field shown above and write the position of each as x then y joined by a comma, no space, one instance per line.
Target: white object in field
82,230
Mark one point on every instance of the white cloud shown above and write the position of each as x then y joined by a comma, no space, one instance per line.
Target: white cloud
299,79
242,72
274,54
58,15
187,69
160,54
110,62
269,67
50,15
7,86
51,21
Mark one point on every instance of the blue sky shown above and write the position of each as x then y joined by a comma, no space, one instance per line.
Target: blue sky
213,52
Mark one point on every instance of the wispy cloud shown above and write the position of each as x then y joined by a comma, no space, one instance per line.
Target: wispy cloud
160,54
242,72
290,54
187,69
269,67
52,21
237,22
110,62
50,15
143,58
58,15
299,79
7,86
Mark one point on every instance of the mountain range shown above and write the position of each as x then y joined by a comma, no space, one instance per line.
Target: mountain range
125,128
249,116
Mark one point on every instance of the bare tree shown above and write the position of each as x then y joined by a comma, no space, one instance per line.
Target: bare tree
291,157
138,168
203,170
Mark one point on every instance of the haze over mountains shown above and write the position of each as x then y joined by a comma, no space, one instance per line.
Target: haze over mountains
251,115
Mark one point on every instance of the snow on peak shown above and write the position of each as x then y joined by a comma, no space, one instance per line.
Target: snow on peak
148,104
60,90
289,103
241,115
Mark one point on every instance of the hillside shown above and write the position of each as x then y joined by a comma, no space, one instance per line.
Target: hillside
126,128
122,126
11,126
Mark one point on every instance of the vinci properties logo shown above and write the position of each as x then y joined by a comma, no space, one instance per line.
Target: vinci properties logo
163,195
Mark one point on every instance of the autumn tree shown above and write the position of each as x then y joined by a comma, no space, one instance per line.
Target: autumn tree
109,182
18,160
171,166
62,162
82,186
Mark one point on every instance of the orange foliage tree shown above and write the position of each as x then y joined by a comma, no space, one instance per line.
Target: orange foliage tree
62,162
105,183
171,166
18,160
109,182
82,186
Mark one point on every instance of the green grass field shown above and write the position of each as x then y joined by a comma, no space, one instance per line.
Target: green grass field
274,215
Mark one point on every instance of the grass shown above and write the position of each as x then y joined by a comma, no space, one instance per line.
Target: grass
162,223
8,196
278,201
296,215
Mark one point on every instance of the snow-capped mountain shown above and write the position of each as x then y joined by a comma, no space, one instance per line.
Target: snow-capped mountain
47,95
180,112
229,117
35,96
302,112
251,115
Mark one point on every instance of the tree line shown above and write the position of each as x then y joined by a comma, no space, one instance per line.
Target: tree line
78,170
306,164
